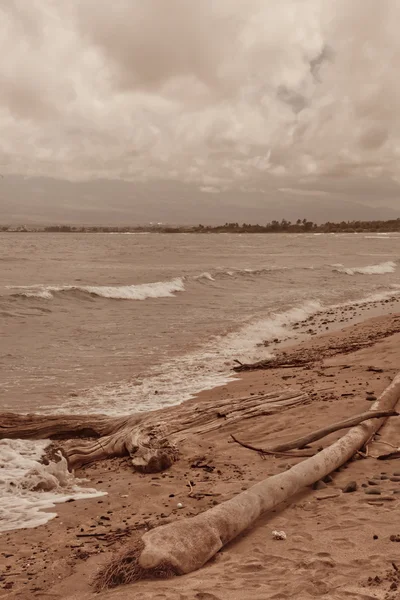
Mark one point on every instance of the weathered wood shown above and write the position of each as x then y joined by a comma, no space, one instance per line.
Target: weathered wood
274,363
262,451
57,427
309,438
151,439
390,456
187,544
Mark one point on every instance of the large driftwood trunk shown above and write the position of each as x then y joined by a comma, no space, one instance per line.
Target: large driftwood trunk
151,439
186,545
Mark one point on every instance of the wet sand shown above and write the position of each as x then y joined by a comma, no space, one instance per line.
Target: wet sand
338,544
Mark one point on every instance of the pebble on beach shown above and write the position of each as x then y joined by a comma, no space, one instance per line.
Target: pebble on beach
350,487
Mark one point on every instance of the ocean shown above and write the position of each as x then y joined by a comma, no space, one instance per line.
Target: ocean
118,323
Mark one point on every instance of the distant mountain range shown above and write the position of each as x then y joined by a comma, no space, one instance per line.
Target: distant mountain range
40,200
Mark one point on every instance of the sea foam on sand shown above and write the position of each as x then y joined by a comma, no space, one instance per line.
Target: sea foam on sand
179,379
27,487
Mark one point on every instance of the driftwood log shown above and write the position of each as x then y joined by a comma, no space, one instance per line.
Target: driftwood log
151,439
309,438
187,544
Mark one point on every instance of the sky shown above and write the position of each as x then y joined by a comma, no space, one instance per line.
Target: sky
262,96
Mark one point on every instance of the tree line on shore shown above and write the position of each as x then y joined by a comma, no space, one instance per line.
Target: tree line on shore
283,226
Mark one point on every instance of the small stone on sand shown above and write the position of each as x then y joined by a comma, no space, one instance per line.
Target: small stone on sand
350,487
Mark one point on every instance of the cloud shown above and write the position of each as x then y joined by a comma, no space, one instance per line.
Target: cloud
209,189
303,192
150,43
233,92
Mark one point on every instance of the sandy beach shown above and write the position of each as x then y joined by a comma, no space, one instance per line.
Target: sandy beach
199,300
338,544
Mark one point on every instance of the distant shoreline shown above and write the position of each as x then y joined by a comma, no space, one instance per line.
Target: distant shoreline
300,226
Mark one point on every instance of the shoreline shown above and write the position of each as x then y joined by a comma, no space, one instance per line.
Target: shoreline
278,329
389,226
85,533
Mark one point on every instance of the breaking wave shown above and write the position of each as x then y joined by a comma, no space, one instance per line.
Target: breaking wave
179,379
235,272
380,269
159,289
142,291
169,288
204,275
259,271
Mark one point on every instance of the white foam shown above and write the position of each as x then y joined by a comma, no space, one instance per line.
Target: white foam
177,380
27,487
220,272
380,269
180,379
249,271
204,275
45,294
158,289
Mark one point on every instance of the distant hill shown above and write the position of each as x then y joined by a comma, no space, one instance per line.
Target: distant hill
103,202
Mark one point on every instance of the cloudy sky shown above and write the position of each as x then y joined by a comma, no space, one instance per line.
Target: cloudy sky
220,94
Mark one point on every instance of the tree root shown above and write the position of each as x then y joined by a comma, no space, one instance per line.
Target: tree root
125,568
